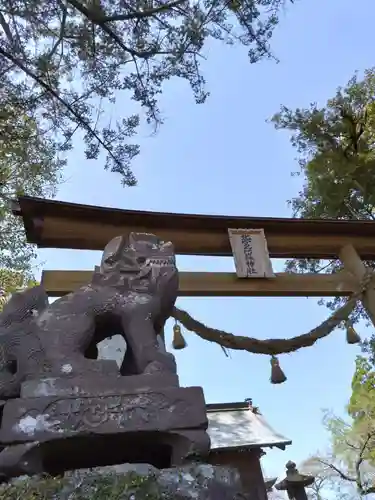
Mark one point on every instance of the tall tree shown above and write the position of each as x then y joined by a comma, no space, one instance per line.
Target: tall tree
361,406
28,163
336,147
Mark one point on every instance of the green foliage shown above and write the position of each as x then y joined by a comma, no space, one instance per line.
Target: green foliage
336,148
29,164
347,468
361,406
362,401
43,489
336,152
62,62
12,281
351,441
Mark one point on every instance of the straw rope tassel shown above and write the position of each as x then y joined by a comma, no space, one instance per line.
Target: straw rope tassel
277,375
352,336
178,341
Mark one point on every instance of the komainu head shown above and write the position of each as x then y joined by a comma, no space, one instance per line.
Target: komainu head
131,254
141,260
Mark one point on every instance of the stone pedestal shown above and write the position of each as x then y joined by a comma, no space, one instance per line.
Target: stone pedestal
74,422
134,481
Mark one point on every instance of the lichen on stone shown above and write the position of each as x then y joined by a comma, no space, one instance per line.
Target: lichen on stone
25,488
95,487
134,482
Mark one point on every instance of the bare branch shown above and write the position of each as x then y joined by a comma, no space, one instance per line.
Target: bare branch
360,461
62,30
6,29
338,471
351,445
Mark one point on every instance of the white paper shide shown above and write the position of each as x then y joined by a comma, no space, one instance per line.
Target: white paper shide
250,253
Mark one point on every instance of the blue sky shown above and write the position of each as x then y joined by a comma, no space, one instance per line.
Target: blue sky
223,158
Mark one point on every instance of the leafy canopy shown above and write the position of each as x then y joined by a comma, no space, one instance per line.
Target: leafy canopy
28,163
63,64
361,406
64,61
336,154
347,468
336,151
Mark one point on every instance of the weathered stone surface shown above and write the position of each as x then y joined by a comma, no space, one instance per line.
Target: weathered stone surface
100,386
132,294
162,449
76,410
134,482
19,345
20,459
50,417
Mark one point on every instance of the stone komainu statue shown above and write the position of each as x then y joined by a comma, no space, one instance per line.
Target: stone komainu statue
132,293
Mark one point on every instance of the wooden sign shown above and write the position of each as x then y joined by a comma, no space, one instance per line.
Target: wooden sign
250,253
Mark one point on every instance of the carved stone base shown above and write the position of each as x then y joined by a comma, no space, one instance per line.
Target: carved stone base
141,420
52,417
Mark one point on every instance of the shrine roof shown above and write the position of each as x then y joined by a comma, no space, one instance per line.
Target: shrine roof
58,224
237,425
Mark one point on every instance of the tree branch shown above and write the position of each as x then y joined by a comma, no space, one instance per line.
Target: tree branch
144,13
359,462
351,445
62,30
100,21
342,475
357,479
56,96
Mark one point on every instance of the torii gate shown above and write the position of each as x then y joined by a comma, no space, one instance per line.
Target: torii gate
56,224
